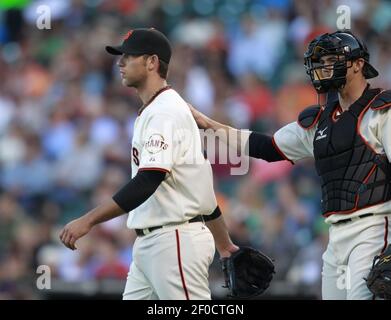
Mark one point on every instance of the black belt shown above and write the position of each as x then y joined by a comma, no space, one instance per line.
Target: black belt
143,232
352,219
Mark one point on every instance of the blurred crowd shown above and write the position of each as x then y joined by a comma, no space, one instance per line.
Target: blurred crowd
66,124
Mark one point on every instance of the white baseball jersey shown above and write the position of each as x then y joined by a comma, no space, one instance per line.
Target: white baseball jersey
296,144
166,138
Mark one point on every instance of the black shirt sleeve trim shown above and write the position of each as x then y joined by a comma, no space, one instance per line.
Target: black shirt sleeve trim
262,147
138,189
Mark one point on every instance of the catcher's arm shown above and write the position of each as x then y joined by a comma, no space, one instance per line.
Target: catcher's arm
217,226
234,138
255,144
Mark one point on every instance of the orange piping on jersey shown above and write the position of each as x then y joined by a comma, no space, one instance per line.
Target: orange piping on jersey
180,264
333,115
152,98
154,169
360,119
356,199
369,174
385,235
279,150
383,107
315,121
364,182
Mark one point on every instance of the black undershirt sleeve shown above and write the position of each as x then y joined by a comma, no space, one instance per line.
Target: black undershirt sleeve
261,147
138,189
214,215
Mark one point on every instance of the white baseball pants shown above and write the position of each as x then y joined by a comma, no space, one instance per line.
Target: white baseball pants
171,263
349,255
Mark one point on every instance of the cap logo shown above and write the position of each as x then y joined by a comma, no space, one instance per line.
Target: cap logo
127,36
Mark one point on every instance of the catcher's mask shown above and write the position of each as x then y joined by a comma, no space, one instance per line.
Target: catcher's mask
330,55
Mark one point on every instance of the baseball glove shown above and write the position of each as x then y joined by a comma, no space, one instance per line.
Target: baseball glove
379,277
247,273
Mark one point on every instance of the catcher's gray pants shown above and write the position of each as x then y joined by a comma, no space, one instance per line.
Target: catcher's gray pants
349,255
171,263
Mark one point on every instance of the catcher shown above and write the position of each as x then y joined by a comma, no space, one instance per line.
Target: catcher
349,136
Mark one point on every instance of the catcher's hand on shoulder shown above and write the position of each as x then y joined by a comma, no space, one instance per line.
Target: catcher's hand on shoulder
247,272
379,277
198,117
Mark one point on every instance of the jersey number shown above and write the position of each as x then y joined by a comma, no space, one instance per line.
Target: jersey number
135,156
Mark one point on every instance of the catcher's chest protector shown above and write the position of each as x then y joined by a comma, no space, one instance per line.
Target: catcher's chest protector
352,175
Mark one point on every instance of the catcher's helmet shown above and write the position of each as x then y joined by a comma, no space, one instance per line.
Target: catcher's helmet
344,46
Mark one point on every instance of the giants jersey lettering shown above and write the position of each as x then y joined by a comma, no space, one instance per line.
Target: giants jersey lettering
166,138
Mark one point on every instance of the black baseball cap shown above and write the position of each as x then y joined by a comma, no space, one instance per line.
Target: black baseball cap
144,41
